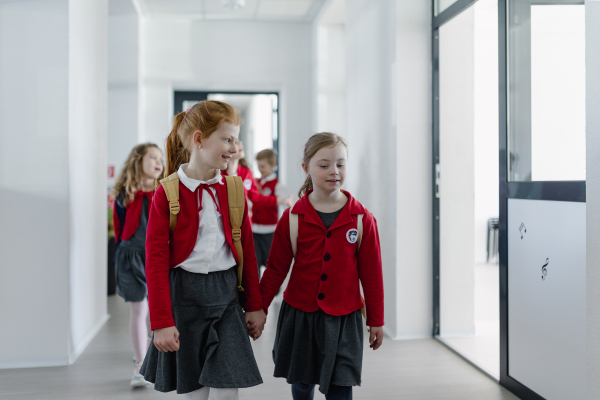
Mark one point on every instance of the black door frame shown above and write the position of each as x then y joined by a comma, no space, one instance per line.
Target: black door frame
179,96
556,190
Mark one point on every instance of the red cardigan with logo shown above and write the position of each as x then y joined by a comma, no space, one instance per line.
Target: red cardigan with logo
327,271
162,255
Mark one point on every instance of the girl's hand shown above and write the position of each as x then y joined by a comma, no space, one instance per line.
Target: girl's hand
255,322
166,339
376,337
286,201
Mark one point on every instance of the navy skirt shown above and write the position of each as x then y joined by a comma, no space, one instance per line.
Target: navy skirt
214,346
318,348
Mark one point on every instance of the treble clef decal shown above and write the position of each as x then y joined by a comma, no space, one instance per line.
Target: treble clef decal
544,270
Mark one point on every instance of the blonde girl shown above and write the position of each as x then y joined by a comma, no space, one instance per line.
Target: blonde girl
133,191
319,337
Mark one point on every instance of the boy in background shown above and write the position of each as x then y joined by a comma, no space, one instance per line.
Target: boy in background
264,218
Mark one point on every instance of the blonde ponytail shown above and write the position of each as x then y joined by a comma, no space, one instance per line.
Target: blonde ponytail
306,186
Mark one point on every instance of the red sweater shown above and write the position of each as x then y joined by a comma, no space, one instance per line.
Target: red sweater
131,216
251,188
162,255
327,270
266,214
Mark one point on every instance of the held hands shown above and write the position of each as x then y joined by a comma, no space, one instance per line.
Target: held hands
376,337
285,201
255,322
166,339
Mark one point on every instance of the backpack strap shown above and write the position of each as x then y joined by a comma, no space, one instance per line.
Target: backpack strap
237,201
359,228
171,186
294,232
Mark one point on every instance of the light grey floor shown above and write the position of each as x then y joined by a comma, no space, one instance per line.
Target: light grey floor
415,369
483,348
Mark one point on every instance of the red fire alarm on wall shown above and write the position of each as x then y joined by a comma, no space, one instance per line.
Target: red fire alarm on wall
111,171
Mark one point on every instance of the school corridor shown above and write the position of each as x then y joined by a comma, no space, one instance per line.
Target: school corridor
455,195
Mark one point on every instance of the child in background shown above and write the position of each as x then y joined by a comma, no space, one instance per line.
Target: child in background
265,217
133,191
319,337
239,167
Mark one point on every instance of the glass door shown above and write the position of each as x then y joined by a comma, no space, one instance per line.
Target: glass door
466,310
542,198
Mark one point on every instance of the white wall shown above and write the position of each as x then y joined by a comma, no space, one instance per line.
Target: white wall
52,179
331,78
370,127
388,127
457,183
87,170
123,75
413,169
592,55
34,183
229,55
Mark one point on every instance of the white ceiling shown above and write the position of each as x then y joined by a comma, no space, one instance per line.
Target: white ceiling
254,10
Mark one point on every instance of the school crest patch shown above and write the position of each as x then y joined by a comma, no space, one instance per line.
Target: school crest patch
248,184
267,191
352,235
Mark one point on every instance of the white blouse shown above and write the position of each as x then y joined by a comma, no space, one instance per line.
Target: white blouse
211,252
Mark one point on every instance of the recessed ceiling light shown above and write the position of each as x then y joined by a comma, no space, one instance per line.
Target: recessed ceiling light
234,4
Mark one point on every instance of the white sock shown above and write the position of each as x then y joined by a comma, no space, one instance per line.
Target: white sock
224,394
201,394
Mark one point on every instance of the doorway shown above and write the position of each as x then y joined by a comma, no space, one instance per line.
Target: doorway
259,111
539,343
466,192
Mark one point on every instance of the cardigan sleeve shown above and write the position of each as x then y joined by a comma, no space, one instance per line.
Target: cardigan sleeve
257,198
250,273
119,213
370,270
279,263
157,263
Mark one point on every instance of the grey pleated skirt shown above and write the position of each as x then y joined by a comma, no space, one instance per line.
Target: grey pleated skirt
215,349
130,270
317,348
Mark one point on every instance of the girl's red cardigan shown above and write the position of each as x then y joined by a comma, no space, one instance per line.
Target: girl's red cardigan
162,255
327,271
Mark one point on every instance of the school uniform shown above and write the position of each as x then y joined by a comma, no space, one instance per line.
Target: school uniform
319,337
130,235
265,217
192,283
251,189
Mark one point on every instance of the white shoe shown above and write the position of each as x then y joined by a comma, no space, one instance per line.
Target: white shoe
138,380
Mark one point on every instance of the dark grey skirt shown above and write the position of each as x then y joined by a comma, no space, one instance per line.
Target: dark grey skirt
317,348
215,349
130,272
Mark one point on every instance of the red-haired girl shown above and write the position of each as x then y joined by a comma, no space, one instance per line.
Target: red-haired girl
200,343
133,191
319,337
